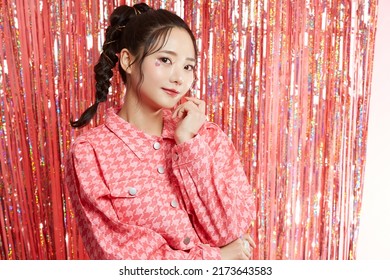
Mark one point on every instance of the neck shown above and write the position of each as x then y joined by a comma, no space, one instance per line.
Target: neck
150,122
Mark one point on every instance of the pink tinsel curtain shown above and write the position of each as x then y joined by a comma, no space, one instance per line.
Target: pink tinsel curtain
288,80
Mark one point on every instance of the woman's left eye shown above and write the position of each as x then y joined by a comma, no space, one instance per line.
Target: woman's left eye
189,67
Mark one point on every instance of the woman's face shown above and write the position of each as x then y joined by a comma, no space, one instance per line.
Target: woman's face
168,74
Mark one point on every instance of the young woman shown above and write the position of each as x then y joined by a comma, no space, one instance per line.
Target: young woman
156,180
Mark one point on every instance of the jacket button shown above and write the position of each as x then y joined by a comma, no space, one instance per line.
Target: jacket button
174,203
156,145
161,169
186,240
132,191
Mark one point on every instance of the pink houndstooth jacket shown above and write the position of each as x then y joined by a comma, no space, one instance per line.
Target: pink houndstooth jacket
138,196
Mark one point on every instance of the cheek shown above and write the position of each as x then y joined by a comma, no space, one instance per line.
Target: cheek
154,71
190,79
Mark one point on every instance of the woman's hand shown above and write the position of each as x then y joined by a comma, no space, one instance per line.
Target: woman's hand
239,249
192,115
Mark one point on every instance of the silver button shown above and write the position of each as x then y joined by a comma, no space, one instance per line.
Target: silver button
161,169
174,203
132,191
156,145
187,240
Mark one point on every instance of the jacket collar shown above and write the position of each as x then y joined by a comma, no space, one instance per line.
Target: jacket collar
134,138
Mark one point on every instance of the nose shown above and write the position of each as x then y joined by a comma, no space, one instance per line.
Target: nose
176,76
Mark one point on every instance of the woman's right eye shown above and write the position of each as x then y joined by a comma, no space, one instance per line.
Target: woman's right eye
165,60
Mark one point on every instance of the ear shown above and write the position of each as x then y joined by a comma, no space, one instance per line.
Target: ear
126,60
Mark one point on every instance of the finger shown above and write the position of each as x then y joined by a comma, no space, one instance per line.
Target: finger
176,111
200,103
197,101
183,108
244,245
246,249
251,241
193,99
180,110
249,238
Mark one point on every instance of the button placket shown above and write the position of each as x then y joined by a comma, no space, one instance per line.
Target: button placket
160,168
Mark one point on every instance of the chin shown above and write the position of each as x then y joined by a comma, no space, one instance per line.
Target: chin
170,107
173,103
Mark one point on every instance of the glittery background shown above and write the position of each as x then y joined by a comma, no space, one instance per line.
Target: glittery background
288,81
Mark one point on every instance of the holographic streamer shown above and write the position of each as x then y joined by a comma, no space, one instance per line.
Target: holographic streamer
289,81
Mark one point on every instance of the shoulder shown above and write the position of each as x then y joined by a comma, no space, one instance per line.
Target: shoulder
93,137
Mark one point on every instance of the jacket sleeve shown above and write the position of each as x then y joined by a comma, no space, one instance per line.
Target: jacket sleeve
214,186
104,236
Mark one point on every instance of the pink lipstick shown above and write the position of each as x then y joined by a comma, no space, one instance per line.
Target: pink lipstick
171,92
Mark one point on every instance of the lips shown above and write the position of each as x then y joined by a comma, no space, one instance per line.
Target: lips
171,91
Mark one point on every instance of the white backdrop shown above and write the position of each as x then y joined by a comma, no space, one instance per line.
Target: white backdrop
374,236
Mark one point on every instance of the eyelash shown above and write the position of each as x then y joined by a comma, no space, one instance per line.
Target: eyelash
192,67
167,60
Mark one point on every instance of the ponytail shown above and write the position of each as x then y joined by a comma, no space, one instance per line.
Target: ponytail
108,58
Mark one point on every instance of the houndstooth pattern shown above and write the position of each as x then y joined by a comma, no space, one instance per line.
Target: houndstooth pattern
138,196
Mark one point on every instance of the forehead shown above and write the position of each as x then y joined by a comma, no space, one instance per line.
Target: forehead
179,41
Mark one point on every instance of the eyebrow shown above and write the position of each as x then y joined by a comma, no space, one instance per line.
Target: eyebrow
175,54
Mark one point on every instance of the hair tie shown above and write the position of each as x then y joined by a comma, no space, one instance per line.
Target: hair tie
110,42
109,59
119,27
98,101
137,12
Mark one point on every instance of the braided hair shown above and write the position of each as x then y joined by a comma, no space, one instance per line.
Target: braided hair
140,29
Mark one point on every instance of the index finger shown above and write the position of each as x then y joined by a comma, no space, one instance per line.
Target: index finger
201,104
